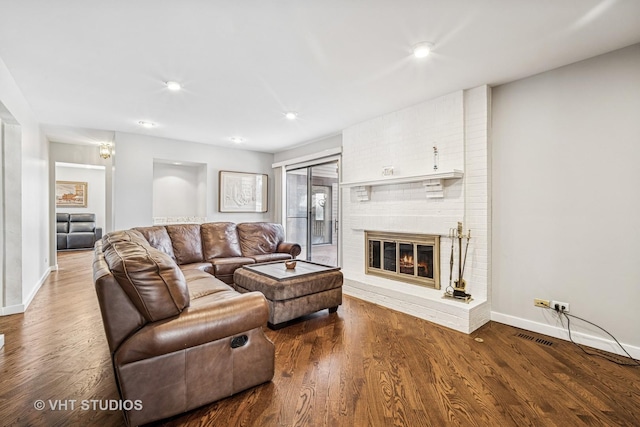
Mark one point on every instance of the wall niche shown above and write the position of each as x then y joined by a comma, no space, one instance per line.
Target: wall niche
179,192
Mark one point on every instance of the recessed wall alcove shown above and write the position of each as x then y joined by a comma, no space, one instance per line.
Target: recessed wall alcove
179,191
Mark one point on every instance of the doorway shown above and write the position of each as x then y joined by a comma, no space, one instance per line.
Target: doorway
312,211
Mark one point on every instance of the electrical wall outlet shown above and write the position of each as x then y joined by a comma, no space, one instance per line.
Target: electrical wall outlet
562,306
541,303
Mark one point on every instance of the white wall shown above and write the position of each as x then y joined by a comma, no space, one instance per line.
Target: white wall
177,190
94,176
566,204
134,160
29,237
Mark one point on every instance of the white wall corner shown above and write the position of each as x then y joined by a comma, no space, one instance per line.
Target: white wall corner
479,315
33,293
1,340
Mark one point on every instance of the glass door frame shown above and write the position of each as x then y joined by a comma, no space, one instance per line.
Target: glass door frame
336,227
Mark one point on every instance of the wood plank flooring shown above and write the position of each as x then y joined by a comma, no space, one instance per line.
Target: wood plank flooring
365,365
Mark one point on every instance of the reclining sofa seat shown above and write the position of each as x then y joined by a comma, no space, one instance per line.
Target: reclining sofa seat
76,231
219,248
178,339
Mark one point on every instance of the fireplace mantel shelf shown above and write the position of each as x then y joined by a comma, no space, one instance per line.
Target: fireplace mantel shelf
433,183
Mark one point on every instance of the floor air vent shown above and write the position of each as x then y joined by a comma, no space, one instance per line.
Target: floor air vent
538,340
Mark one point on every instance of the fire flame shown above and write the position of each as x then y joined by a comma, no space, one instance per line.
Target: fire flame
407,260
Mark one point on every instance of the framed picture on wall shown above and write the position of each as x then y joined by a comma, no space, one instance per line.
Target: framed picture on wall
242,192
71,194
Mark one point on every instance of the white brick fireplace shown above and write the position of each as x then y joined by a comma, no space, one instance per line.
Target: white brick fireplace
417,198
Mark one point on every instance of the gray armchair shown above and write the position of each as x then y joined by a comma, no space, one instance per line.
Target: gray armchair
76,230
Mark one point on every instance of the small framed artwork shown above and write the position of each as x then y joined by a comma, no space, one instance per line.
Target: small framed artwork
242,192
71,194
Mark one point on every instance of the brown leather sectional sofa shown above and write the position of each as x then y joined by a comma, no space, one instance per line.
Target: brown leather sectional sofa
220,248
180,337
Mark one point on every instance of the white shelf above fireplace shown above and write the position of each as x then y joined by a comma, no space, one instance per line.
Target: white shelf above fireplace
453,174
433,183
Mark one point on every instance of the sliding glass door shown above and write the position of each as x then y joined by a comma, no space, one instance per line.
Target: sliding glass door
312,211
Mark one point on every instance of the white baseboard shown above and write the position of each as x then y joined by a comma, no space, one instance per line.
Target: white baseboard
1,341
33,293
21,308
561,333
12,309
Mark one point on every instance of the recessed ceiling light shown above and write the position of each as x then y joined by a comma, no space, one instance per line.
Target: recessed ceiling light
422,49
291,115
236,139
147,125
173,85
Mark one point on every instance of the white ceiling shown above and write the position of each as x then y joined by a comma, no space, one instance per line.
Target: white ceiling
93,64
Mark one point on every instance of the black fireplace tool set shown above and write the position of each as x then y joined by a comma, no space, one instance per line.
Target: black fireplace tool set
457,289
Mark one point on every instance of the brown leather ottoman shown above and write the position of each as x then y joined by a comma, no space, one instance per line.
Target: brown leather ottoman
308,288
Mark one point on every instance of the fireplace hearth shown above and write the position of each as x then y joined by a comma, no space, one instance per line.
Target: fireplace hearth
411,258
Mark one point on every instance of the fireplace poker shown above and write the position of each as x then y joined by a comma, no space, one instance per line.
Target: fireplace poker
466,249
452,235
460,283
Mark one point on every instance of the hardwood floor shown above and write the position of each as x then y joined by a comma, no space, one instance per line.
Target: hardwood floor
362,366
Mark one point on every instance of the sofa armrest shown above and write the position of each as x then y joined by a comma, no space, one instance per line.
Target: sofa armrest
196,325
292,249
98,232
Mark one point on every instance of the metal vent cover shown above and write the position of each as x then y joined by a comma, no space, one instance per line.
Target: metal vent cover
532,338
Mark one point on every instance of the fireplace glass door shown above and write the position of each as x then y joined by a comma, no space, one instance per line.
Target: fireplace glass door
406,257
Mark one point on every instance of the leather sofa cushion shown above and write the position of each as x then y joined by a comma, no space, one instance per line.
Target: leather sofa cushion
226,266
158,237
62,227
150,278
62,217
120,317
211,317
257,238
271,257
80,240
61,241
123,236
81,227
202,266
187,244
220,240
201,284
82,217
